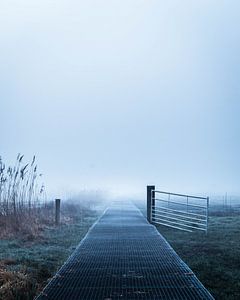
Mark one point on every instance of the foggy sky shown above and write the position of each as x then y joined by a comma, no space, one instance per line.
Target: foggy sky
115,95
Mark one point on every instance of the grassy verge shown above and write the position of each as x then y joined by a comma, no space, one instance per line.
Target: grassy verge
214,258
26,265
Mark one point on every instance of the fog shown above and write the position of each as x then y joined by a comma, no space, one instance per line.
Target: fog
115,95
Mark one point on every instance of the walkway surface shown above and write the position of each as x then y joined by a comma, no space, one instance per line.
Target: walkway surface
124,257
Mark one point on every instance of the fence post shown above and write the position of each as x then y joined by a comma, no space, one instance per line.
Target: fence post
57,211
150,201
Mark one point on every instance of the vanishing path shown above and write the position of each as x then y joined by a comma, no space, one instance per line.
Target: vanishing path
124,257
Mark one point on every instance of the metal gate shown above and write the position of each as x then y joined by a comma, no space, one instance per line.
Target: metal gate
184,212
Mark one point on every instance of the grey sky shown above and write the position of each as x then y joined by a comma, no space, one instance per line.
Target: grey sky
114,95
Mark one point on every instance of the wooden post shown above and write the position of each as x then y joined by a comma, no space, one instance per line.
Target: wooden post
57,211
150,201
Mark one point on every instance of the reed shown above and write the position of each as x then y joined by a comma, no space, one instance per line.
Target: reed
21,195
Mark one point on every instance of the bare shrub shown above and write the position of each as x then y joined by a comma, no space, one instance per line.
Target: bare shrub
83,204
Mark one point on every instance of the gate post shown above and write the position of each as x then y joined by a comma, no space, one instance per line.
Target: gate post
150,201
57,211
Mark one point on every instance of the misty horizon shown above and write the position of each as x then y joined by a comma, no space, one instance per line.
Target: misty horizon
113,96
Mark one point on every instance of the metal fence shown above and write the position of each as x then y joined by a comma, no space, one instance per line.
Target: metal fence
184,212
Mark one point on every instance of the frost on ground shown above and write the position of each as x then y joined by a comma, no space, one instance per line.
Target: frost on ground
28,261
214,258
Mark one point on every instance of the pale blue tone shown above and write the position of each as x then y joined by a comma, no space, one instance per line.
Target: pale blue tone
114,95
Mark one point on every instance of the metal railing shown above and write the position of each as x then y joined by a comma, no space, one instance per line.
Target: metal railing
179,211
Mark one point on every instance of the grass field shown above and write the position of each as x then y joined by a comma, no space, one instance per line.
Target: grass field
214,258
26,265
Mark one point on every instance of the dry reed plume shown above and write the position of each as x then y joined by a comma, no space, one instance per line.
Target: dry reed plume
21,196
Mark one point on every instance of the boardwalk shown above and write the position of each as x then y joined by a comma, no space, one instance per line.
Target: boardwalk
124,257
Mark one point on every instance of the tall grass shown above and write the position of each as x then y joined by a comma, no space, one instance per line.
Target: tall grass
21,196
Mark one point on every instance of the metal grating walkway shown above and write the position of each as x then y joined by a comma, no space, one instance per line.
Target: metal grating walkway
124,257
